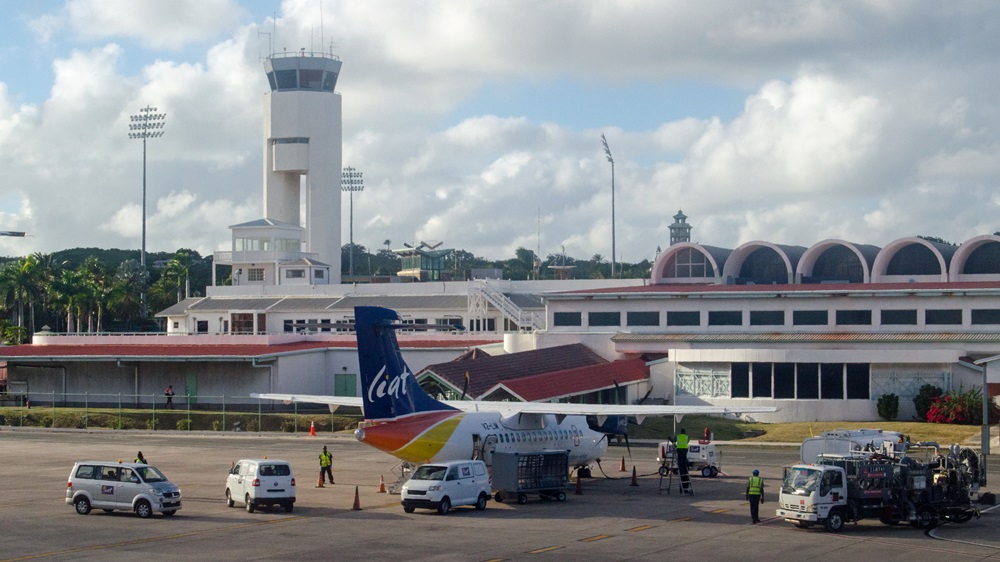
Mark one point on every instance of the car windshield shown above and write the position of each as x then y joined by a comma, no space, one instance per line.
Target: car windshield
802,481
150,474
430,472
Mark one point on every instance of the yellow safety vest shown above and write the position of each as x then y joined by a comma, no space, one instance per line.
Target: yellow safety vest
682,441
325,459
756,486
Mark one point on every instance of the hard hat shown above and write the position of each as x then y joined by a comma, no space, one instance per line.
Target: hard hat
756,472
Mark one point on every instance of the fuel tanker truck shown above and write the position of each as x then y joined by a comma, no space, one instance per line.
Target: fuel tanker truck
915,483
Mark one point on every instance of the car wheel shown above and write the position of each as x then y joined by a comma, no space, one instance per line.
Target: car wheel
835,521
229,499
289,507
561,496
926,518
715,472
499,496
143,509
82,505
408,509
169,512
248,504
706,472
481,501
445,506
522,499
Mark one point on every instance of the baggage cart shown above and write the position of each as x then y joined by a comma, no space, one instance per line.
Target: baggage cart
545,473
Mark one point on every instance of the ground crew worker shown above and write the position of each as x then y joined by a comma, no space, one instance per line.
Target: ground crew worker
140,459
755,495
325,462
682,460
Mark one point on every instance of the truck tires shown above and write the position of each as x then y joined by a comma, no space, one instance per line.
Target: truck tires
926,518
835,521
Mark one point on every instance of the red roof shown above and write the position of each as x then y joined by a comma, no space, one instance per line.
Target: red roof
576,381
99,350
485,372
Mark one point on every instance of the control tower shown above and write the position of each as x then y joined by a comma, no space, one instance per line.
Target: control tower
302,138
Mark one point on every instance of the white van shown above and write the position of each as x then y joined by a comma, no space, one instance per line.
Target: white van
111,485
258,482
445,484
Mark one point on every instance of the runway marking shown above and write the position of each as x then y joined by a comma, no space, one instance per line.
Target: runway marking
640,528
723,510
932,533
596,538
546,549
679,519
155,539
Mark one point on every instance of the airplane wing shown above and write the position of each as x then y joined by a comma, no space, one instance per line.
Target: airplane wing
640,412
312,399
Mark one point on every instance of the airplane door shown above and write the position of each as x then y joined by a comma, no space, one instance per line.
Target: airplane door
489,446
477,450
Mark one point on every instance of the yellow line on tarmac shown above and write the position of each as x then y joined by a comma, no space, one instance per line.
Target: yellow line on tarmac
723,510
679,519
546,549
154,539
640,528
596,538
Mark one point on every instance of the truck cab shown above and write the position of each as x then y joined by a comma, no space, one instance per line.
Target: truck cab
812,494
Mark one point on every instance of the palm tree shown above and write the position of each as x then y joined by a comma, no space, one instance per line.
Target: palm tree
179,268
19,285
99,284
126,295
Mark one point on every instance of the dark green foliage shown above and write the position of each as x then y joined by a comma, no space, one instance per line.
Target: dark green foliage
888,407
924,399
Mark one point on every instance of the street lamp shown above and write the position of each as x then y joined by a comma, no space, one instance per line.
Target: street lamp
607,150
351,181
147,124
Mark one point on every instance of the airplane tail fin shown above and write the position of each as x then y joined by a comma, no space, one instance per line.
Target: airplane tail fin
388,386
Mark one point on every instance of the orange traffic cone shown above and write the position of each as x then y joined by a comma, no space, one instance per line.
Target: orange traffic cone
312,429
381,485
621,467
579,485
635,482
319,481
357,500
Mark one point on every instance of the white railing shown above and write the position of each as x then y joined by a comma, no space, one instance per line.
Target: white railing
510,310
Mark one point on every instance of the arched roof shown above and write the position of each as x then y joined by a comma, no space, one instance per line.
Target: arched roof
714,256
865,253
970,248
789,255
942,254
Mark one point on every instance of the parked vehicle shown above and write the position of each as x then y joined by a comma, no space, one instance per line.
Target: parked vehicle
545,473
261,482
111,485
839,489
702,458
444,485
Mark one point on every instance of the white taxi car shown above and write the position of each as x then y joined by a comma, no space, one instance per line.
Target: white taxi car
111,485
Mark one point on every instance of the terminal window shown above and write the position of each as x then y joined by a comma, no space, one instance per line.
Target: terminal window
642,318
604,318
567,319
725,318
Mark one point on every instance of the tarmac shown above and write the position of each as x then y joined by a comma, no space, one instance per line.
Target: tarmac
613,518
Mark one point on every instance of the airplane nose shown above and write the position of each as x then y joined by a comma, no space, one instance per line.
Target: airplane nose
359,434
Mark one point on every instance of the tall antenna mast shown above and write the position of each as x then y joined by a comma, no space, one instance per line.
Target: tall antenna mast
322,40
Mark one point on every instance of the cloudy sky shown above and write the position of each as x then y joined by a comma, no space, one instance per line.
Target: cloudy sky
478,123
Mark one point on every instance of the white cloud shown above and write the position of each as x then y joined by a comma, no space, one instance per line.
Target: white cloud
170,25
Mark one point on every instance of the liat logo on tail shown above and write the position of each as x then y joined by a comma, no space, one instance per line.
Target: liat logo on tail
382,386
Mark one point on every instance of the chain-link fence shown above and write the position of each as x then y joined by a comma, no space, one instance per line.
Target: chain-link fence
152,412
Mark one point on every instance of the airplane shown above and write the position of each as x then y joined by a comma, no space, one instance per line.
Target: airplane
401,419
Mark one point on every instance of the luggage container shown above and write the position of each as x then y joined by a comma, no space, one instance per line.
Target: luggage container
545,473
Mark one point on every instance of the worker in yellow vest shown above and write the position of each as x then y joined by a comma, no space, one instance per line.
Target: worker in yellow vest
755,495
325,462
682,461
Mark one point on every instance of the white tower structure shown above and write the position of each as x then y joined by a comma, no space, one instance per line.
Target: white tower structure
302,139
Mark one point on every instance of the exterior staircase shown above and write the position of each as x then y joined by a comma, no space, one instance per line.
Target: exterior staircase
482,295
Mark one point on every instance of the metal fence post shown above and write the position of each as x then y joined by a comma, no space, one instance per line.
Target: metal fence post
223,412
119,410
86,409
153,400
295,417
187,398
260,417
53,409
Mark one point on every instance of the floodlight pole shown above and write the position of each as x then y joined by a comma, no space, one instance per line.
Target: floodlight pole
607,150
145,125
350,182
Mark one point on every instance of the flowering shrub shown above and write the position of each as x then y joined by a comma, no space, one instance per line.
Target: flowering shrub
961,407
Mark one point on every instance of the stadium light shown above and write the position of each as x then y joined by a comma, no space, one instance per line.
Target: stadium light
147,124
607,150
351,181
